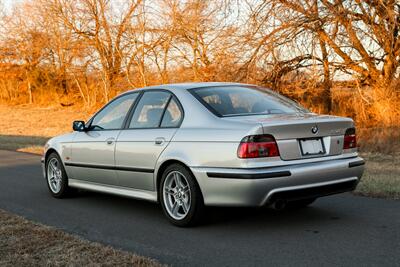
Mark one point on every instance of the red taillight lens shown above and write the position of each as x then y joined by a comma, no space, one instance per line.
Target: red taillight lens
350,140
258,146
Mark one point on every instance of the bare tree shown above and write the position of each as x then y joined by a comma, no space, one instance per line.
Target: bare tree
103,28
355,37
363,34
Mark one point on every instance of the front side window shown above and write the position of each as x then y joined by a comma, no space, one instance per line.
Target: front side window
113,115
241,100
150,109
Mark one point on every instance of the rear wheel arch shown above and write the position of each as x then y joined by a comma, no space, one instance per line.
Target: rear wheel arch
163,167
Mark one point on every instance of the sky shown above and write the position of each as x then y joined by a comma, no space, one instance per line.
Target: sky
8,4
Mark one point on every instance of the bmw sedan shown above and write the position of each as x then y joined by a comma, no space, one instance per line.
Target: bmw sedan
187,146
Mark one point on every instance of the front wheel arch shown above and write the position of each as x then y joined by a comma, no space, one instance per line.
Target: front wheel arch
48,153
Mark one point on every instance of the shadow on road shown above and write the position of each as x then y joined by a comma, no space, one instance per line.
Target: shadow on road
216,216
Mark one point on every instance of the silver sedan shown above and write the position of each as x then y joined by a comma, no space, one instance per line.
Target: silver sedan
193,145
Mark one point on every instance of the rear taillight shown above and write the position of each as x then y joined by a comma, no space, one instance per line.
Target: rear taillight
258,146
350,140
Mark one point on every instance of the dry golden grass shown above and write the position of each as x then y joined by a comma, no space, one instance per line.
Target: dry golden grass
381,177
27,129
368,107
384,140
24,243
36,121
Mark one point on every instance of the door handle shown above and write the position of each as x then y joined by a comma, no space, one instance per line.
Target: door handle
159,140
110,140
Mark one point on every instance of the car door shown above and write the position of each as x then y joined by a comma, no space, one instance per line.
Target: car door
152,125
92,151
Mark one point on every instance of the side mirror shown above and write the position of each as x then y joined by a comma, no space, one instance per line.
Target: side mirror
79,126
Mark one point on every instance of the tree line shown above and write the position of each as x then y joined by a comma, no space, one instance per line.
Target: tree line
335,56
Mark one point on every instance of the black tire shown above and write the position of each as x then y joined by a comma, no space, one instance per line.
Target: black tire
299,204
65,190
196,209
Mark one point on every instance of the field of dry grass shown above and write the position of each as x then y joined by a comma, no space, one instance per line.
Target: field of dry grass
27,129
381,177
24,243
37,121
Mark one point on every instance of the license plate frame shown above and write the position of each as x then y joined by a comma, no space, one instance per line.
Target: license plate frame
306,144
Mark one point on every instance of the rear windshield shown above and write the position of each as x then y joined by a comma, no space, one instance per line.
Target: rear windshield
226,101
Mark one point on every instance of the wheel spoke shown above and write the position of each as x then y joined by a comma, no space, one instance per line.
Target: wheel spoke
175,208
55,165
58,185
169,190
185,189
53,168
176,179
184,207
179,179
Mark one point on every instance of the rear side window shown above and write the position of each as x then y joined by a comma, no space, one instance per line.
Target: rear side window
150,109
173,115
242,101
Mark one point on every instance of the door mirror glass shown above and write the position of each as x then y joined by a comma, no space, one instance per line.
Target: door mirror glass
78,126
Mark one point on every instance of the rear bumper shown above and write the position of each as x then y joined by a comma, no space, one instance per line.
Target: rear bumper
262,186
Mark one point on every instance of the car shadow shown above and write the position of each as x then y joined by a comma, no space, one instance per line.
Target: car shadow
218,216
267,216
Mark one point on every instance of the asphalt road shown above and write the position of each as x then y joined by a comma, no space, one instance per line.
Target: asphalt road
340,230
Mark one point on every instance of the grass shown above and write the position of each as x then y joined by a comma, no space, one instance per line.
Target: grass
381,177
27,129
24,243
35,121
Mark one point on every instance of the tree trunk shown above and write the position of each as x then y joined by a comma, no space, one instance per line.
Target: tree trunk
30,92
327,84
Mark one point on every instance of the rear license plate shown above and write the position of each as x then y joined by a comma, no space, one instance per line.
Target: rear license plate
313,146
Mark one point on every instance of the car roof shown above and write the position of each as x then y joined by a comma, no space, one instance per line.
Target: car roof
186,86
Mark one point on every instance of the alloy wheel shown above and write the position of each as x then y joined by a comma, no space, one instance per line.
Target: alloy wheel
54,175
177,195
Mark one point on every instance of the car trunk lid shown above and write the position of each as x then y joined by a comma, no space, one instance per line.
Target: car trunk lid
301,136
